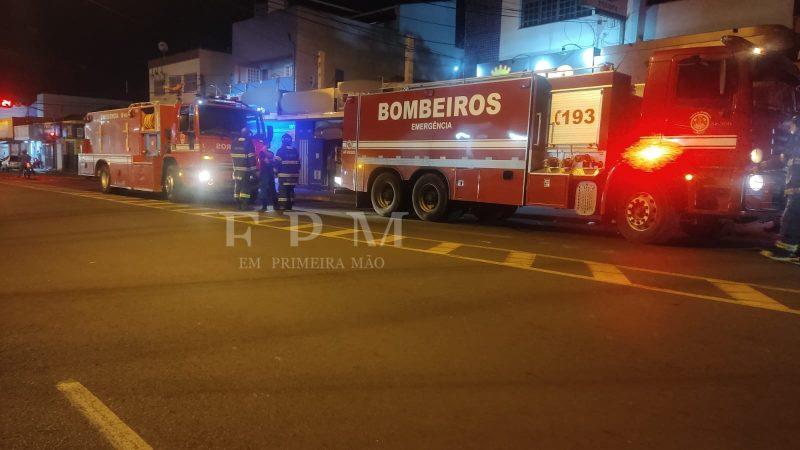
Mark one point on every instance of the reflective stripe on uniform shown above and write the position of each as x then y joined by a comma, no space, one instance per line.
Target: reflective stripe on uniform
787,247
290,162
238,155
791,191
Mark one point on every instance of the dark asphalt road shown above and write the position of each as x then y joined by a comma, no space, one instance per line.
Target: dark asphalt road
526,335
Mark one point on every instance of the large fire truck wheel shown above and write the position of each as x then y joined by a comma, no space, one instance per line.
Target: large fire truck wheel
386,194
429,197
171,186
104,174
646,216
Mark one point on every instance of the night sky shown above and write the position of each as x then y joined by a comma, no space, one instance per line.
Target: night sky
96,47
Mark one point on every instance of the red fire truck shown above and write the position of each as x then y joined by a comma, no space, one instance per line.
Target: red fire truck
682,156
175,149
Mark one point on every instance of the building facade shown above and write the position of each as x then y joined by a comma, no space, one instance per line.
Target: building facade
296,48
570,36
186,75
50,129
58,106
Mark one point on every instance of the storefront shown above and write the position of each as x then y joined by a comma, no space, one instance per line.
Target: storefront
318,139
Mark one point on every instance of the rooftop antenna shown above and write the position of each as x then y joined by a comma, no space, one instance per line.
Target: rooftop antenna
163,48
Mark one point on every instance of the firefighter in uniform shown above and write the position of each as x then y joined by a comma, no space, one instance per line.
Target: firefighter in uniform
266,177
288,172
787,141
244,168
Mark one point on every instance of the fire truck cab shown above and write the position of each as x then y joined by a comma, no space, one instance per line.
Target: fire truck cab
683,156
707,120
175,149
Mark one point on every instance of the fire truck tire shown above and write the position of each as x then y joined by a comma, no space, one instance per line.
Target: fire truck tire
430,198
104,175
386,194
647,216
171,185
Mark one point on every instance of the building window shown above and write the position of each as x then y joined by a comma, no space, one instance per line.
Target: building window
174,84
190,82
79,132
253,75
539,12
158,85
280,72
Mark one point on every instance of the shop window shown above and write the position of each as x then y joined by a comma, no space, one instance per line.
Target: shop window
539,12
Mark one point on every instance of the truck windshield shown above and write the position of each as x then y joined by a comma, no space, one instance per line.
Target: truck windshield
227,121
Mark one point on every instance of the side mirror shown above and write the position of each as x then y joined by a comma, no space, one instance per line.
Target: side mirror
168,135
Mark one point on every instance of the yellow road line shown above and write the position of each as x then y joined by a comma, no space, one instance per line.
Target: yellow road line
297,227
271,220
343,232
119,435
192,209
747,295
521,259
608,273
390,239
444,248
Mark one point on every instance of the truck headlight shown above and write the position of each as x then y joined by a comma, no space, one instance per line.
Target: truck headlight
755,182
337,180
756,155
204,176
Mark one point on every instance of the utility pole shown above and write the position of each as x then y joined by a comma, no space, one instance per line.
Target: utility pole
640,20
408,72
320,69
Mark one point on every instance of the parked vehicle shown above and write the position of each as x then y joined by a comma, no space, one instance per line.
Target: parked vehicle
683,156
9,163
174,149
